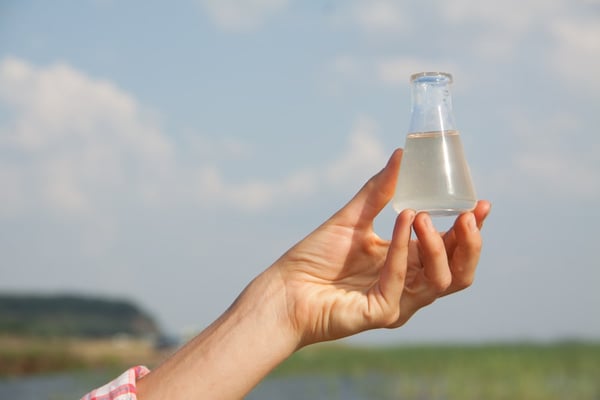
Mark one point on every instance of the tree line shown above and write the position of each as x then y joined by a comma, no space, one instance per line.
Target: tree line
72,315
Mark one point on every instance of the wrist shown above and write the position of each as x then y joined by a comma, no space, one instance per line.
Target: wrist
264,304
233,354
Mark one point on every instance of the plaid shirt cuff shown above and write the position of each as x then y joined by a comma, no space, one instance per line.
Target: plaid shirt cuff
121,388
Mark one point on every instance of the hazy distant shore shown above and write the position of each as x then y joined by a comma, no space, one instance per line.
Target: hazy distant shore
22,356
35,355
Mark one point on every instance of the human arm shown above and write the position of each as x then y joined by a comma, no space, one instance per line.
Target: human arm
340,280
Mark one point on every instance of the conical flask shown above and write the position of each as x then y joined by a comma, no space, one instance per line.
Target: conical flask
434,175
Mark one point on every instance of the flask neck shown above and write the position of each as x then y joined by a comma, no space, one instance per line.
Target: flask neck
431,103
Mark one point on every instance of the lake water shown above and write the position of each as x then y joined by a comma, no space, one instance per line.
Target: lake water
73,385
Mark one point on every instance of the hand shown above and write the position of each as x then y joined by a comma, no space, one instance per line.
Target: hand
340,280
343,279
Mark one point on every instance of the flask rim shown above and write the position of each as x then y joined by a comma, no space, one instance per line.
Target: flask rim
432,74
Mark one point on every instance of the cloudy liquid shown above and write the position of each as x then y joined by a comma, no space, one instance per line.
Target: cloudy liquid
434,175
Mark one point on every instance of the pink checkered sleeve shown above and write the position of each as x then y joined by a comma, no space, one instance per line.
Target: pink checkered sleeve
121,388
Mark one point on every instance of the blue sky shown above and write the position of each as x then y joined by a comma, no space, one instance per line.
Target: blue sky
169,152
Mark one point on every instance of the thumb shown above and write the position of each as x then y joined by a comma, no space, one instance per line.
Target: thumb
374,195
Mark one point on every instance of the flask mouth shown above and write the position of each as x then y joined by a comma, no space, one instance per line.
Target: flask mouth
431,77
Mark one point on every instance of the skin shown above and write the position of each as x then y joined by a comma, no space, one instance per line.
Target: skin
340,280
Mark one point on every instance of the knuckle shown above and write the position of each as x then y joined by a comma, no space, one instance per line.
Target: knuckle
387,318
475,244
392,316
440,282
424,301
438,251
463,281
384,316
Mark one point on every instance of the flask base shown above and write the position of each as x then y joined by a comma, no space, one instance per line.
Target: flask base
448,208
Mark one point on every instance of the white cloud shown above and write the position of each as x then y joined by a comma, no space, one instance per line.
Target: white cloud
214,147
242,15
389,71
499,28
561,174
380,16
553,159
396,71
61,185
501,14
512,18
363,156
398,17
83,147
491,32
480,40
73,141
213,190
383,19
567,32
576,54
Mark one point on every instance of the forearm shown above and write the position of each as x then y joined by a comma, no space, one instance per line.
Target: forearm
232,355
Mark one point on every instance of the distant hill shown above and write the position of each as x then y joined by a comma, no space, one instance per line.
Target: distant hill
72,315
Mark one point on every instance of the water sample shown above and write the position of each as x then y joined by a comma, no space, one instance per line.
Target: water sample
434,174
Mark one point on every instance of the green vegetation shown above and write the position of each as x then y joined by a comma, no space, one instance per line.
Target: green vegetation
41,334
33,355
34,358
74,316
503,371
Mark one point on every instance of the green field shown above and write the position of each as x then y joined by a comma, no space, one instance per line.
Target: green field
503,371
527,371
21,356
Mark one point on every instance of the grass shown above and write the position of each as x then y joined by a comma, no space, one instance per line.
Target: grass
32,355
501,371
427,372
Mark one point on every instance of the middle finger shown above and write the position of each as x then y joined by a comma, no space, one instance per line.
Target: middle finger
436,274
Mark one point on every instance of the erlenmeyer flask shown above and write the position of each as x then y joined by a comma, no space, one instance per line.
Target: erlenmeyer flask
434,175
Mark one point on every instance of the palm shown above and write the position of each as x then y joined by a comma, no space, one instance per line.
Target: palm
334,279
340,292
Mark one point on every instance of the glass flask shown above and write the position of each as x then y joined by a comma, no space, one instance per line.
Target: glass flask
434,175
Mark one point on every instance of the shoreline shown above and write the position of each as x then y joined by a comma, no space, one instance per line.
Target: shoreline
26,356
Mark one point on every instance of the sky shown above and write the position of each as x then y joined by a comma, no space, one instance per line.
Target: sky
168,152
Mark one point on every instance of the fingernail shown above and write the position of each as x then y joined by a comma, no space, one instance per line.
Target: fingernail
412,214
428,223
